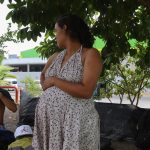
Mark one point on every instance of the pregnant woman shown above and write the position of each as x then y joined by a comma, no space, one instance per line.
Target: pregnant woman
65,117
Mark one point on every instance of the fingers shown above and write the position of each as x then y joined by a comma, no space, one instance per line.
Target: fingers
47,83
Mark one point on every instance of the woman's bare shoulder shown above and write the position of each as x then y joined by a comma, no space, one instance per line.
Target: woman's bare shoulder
52,57
91,53
50,60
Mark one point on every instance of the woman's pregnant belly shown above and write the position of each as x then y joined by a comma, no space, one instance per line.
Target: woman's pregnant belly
55,97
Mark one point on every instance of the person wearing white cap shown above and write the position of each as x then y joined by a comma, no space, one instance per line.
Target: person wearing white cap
23,135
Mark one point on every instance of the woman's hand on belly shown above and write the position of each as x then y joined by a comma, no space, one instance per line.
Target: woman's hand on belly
48,83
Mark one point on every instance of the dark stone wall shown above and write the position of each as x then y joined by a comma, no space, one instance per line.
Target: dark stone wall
124,124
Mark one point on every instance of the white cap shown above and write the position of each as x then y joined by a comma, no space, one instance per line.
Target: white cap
23,130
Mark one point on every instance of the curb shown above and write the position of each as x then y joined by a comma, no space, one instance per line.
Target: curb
145,94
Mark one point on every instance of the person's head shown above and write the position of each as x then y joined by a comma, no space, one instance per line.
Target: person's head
72,27
23,131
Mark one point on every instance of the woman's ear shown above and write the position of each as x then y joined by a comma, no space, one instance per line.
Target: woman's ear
64,27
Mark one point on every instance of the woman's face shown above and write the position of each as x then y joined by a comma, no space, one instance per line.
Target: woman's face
61,36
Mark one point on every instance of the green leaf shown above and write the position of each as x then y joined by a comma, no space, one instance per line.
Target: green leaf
29,36
9,15
10,1
1,1
11,6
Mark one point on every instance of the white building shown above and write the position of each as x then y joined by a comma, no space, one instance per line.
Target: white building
24,67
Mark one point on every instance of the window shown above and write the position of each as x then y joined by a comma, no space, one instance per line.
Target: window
19,68
36,68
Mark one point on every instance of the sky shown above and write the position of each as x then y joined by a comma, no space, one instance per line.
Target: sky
13,48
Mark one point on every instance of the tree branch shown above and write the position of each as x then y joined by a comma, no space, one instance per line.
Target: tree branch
123,76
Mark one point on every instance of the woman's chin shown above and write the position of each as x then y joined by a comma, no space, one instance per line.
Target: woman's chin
60,45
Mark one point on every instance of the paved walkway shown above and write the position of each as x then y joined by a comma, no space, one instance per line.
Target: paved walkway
144,102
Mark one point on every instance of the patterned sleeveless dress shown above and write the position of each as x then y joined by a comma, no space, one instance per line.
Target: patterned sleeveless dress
64,122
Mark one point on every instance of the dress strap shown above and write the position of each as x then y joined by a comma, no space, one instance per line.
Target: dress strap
80,49
80,52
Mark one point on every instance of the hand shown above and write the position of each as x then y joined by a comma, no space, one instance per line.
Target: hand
48,83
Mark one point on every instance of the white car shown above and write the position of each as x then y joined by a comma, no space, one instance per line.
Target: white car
12,82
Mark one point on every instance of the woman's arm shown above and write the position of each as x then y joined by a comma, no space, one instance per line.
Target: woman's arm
50,59
92,70
8,103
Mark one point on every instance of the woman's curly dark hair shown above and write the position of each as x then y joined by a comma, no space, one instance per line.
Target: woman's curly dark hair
77,29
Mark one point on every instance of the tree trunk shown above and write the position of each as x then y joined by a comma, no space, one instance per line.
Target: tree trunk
138,98
121,98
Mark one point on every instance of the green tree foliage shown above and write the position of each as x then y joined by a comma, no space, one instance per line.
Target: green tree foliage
119,21
4,74
5,70
127,79
31,86
7,37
